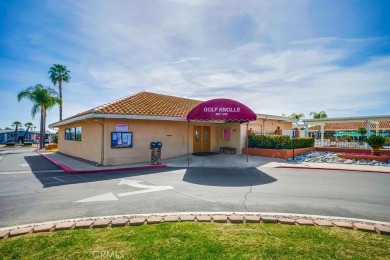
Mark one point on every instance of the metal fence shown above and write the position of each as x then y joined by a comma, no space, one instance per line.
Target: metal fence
344,144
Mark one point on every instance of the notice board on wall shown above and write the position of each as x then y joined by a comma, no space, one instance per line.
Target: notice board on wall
226,134
121,139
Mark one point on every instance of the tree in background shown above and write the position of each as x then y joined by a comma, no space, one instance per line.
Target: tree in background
28,125
59,74
296,116
16,124
362,131
43,98
8,128
321,114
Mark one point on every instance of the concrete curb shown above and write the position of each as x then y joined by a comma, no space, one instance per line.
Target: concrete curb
329,169
201,217
67,169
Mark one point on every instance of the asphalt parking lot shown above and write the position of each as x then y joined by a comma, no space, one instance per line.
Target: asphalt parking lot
34,190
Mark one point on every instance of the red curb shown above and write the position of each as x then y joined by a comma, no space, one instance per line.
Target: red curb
329,169
67,169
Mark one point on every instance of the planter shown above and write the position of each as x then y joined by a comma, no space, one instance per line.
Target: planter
358,156
277,153
376,151
51,146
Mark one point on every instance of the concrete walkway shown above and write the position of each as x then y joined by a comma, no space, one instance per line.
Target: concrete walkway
238,161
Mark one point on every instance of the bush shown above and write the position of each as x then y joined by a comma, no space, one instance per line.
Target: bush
27,143
376,141
278,142
268,141
10,144
301,143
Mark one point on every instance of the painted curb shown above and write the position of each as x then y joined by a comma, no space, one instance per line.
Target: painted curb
328,169
67,169
201,217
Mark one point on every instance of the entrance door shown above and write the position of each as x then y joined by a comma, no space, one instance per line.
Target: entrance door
201,139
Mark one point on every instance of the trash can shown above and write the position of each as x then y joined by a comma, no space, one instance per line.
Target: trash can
155,148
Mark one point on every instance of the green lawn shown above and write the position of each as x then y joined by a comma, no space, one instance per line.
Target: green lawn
199,241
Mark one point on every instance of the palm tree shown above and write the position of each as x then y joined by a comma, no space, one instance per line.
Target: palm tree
16,124
28,125
321,114
59,73
43,98
296,116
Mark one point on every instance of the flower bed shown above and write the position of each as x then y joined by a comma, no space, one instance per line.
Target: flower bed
364,156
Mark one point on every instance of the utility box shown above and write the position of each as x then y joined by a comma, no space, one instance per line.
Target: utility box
155,157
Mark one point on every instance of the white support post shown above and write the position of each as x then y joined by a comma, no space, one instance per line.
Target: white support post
322,135
368,127
306,130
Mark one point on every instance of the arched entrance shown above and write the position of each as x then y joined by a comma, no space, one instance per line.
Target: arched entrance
214,111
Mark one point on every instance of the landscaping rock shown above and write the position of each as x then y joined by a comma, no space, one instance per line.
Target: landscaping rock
342,224
84,224
203,218
269,220
286,221
220,218
187,218
137,221
65,226
154,220
44,228
304,222
119,222
4,234
323,223
102,223
236,219
20,231
252,219
364,227
384,230
171,218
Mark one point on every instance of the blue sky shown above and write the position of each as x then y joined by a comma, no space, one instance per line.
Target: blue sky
276,56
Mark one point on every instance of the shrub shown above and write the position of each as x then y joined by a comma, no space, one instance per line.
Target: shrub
27,143
268,141
376,141
10,144
278,142
301,143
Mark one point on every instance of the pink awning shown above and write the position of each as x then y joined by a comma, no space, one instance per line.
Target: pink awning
221,110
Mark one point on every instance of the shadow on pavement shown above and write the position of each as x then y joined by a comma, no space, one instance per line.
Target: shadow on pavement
50,175
227,177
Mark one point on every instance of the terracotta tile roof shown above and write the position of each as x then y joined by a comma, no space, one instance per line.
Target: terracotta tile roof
146,104
383,125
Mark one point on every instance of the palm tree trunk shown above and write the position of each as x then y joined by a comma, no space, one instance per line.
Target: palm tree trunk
16,134
60,92
42,130
25,134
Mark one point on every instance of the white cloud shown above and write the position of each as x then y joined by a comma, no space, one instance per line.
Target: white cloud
196,49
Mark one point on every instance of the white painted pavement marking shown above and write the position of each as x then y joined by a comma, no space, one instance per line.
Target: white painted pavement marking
24,165
133,183
103,197
2,154
24,172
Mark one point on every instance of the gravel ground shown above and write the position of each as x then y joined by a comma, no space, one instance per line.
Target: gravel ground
330,157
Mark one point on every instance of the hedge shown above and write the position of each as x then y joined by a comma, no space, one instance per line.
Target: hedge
10,144
301,143
278,142
27,143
